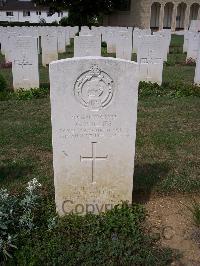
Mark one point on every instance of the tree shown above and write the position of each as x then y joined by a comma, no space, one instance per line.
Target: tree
83,12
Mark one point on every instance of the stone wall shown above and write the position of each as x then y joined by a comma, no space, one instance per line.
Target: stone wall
140,14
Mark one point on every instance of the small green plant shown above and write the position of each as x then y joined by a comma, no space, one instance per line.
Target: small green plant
195,209
3,84
31,94
24,94
173,90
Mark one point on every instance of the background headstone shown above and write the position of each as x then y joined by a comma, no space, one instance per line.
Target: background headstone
49,45
87,46
25,63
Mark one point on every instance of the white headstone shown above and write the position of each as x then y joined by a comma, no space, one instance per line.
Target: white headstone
186,39
94,113
73,31
87,46
3,40
97,31
8,45
166,37
61,39
197,70
124,45
150,58
193,45
25,63
67,36
85,31
137,34
151,70
110,38
195,25
49,47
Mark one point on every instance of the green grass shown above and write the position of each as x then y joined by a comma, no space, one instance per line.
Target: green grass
167,162
166,151
179,73
167,138
177,40
176,70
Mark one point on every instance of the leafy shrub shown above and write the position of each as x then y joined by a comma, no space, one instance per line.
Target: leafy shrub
3,84
16,215
174,90
112,238
32,234
149,89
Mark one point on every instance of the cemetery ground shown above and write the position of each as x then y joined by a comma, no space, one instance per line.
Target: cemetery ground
166,180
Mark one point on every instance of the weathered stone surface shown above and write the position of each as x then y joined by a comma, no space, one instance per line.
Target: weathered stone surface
193,45
49,45
197,70
25,63
124,45
87,46
94,113
150,58
137,34
151,70
61,39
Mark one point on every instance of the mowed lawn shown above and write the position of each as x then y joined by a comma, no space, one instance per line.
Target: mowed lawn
167,148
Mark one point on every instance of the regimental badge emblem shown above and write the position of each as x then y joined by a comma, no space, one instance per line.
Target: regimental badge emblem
94,89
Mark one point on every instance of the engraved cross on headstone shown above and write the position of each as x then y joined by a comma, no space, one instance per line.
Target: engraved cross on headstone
93,159
147,61
23,63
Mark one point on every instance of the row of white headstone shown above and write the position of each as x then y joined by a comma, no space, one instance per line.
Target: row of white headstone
21,46
151,50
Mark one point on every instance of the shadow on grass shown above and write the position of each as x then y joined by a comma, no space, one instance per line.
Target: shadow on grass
146,177
13,170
